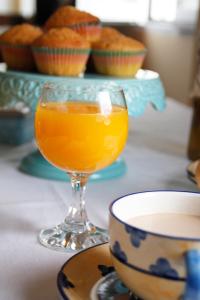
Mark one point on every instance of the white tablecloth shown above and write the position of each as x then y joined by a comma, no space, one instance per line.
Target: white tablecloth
156,158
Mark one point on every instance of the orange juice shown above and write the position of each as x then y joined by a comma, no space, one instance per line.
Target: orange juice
78,137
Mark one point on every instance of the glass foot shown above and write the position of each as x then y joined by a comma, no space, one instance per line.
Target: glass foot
60,239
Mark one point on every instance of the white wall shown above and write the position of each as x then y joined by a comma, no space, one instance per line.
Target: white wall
9,7
171,54
25,8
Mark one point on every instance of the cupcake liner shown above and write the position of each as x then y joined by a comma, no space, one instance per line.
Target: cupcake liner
17,57
60,61
91,31
118,63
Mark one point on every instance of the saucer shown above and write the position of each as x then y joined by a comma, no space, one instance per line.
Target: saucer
85,275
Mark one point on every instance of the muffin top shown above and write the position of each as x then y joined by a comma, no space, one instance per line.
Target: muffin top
61,38
109,33
69,16
119,43
23,34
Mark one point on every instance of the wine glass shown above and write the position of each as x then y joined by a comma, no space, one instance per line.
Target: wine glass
79,129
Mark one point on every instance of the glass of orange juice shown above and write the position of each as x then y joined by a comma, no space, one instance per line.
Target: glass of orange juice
79,129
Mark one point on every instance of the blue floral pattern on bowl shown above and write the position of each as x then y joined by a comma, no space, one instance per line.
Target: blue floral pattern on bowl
136,235
119,253
163,268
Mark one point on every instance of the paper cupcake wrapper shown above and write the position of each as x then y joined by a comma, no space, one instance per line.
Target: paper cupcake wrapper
17,57
118,63
4,44
118,53
72,51
91,31
61,61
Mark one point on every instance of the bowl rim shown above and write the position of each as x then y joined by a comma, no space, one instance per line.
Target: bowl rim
112,214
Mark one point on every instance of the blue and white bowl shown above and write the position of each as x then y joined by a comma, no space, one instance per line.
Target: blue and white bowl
155,266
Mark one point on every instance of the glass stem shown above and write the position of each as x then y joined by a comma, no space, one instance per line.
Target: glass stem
76,220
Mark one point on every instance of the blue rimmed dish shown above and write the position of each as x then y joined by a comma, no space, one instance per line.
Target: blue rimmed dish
86,276
78,275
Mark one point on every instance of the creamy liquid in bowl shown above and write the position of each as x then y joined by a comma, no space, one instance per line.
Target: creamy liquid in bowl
181,225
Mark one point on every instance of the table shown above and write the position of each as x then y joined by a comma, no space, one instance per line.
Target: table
156,159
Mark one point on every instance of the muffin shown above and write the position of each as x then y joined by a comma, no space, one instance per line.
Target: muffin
118,56
82,22
15,46
61,51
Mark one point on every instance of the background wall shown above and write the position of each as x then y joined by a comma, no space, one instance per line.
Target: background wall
170,53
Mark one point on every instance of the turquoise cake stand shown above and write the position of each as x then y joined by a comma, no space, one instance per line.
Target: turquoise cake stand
35,164
145,88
